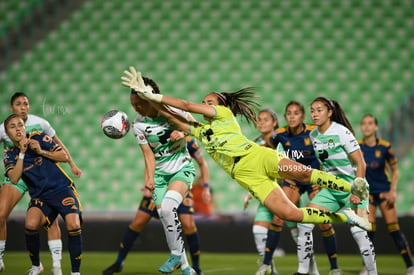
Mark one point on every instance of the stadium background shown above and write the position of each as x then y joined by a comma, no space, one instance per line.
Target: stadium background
68,57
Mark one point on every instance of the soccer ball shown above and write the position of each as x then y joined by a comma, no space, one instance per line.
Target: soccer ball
115,124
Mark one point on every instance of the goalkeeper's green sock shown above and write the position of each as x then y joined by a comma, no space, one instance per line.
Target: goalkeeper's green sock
318,216
329,181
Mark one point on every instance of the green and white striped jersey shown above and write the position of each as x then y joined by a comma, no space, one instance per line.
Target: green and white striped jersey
170,156
332,149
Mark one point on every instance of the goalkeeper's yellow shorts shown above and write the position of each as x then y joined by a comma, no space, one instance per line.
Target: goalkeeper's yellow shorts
257,171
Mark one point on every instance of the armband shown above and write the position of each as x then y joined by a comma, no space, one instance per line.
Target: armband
21,155
206,185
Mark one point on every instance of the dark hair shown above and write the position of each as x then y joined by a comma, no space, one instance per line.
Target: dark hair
7,120
297,103
338,114
370,115
272,114
241,103
152,83
16,95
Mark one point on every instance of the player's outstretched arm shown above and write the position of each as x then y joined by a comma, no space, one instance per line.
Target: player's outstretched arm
181,122
133,79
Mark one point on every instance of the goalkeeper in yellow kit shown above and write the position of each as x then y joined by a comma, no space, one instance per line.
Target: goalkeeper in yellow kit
254,167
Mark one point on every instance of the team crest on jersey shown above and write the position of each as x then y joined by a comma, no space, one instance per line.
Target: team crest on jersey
377,154
331,144
307,141
287,143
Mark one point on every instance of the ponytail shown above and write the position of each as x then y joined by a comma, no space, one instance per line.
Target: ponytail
338,115
241,103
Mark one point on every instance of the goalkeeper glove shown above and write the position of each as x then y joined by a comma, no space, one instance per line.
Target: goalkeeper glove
133,79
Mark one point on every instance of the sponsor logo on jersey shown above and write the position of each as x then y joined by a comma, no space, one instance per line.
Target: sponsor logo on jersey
68,201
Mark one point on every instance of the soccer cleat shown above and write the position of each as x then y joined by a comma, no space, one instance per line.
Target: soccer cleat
410,271
354,219
198,271
360,188
114,268
56,270
2,267
173,262
363,271
335,272
188,271
36,270
264,269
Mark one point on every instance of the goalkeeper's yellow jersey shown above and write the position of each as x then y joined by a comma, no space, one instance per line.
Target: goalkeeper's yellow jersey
222,138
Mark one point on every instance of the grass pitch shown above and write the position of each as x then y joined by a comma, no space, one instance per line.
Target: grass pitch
212,263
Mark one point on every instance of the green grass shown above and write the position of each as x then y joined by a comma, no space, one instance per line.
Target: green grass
212,263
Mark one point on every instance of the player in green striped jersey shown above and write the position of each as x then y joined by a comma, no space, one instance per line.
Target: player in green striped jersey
338,152
169,173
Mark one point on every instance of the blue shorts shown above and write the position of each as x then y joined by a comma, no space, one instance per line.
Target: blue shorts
375,200
148,206
63,203
301,186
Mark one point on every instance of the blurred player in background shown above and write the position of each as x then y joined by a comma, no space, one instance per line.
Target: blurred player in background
147,210
254,167
35,160
339,154
381,160
11,193
203,205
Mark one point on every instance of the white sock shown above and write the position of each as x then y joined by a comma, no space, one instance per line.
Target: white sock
305,246
260,236
55,247
172,225
366,248
313,267
2,248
